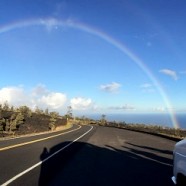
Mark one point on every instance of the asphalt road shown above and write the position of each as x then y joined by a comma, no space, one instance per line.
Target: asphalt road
104,156
17,155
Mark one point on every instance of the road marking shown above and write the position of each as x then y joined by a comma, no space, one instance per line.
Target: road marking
180,154
148,158
34,141
39,163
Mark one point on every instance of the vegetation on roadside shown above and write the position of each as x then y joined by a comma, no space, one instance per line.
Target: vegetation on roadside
176,133
168,132
152,129
23,120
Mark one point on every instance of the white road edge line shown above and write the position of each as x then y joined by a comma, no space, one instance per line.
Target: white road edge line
38,140
39,163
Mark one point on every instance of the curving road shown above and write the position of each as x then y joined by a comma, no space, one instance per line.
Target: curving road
87,156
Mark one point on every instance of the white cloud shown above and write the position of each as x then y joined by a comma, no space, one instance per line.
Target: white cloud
39,96
112,87
170,73
39,90
53,100
79,103
13,95
124,107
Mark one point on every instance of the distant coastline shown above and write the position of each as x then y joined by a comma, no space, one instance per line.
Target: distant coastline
162,119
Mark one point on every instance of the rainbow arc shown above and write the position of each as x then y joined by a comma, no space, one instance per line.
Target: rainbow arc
52,23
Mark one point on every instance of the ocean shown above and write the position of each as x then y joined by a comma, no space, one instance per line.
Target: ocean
149,119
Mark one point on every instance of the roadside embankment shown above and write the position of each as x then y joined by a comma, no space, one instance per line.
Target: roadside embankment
166,132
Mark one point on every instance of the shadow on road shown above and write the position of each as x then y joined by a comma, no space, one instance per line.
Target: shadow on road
86,164
53,161
151,148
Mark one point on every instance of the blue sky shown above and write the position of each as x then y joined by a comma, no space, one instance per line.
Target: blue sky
124,56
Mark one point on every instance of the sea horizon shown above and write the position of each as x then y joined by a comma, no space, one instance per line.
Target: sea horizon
161,119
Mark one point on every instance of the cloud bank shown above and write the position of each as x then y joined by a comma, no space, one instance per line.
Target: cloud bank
14,95
43,98
38,96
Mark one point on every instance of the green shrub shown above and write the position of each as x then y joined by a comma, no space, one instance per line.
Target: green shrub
19,119
2,124
14,122
52,121
26,111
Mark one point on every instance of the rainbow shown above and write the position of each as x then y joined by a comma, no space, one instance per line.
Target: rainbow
52,23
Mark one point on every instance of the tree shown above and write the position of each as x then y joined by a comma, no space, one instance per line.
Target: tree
6,106
15,121
52,122
12,108
2,124
19,119
46,111
54,114
38,111
1,107
103,120
26,111
69,112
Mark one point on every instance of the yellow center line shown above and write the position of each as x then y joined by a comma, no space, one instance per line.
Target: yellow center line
34,141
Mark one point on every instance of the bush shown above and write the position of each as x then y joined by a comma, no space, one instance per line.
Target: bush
26,111
52,122
2,124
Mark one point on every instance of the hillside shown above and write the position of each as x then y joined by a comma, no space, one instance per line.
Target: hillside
24,121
